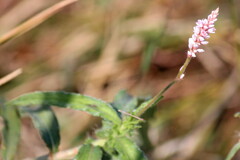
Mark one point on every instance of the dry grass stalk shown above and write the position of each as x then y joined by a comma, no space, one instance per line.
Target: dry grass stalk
34,21
10,76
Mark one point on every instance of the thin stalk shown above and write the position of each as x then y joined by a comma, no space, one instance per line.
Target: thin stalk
159,96
183,68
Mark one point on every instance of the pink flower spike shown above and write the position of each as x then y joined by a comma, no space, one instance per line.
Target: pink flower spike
201,32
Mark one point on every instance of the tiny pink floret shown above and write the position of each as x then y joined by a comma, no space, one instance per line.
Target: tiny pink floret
201,32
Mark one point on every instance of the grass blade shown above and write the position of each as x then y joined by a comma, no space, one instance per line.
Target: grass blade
11,132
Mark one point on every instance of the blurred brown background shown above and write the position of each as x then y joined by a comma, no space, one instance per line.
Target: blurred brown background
98,47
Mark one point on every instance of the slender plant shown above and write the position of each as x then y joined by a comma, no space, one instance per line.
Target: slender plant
120,118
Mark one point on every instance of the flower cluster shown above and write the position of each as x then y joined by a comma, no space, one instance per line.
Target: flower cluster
201,32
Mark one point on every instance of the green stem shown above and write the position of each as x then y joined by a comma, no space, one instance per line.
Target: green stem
183,68
159,96
233,151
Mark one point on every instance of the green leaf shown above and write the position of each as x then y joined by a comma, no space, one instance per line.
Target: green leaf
125,102
233,151
89,152
128,150
75,101
46,123
11,131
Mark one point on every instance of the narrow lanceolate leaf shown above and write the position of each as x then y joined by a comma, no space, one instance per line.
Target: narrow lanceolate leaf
128,150
36,20
89,152
46,123
233,151
11,131
75,101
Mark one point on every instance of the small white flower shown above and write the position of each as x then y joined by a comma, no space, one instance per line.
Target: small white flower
204,42
211,30
182,76
200,50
